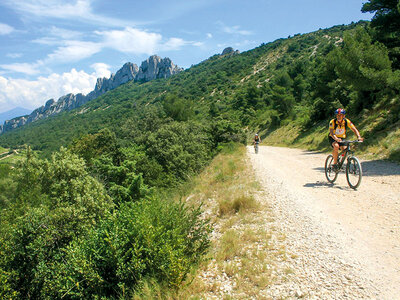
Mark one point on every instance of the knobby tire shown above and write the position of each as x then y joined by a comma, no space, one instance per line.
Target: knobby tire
353,172
330,174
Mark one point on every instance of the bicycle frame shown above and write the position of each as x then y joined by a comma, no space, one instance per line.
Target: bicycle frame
256,146
346,153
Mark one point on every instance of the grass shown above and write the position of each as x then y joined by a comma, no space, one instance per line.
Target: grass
246,246
3,149
382,136
16,156
7,162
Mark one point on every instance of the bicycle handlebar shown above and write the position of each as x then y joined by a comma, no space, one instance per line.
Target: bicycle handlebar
347,142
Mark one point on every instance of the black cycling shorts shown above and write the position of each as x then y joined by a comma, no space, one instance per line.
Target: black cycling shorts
331,141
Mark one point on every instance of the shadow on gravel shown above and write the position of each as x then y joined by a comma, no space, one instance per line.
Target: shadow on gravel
374,168
380,168
325,184
320,169
306,152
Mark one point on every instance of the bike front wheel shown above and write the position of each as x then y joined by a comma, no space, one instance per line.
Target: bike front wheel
330,173
353,172
256,148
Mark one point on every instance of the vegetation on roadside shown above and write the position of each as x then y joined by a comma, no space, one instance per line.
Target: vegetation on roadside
69,230
245,245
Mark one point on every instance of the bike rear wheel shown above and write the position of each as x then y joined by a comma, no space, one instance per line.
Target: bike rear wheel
330,174
353,172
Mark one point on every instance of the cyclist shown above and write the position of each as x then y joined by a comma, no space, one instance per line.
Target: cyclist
337,132
256,141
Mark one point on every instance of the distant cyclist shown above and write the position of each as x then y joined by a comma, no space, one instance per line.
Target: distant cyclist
337,132
256,141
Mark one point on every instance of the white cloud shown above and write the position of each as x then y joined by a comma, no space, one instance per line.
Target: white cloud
25,68
80,10
33,94
51,8
64,33
5,29
131,40
233,29
174,44
14,55
101,70
197,44
68,46
209,35
73,51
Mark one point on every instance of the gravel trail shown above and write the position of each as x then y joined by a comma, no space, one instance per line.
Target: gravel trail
343,243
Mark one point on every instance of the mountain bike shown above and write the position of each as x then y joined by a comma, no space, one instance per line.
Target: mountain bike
256,147
353,167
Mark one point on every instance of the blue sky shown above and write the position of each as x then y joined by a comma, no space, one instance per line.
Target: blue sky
53,47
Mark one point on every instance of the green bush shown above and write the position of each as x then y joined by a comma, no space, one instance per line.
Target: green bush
151,238
54,203
180,148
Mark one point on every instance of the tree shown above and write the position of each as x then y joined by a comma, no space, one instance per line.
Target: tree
122,181
282,101
181,148
92,146
386,22
56,202
177,108
361,63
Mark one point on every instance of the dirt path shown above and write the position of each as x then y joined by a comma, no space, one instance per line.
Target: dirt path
4,157
345,243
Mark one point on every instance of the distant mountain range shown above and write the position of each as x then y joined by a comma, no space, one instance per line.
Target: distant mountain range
153,68
13,113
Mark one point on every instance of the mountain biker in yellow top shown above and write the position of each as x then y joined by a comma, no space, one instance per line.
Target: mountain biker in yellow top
337,132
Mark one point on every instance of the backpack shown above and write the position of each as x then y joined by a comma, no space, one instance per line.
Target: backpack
345,124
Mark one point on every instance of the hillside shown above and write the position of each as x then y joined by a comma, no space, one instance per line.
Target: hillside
297,81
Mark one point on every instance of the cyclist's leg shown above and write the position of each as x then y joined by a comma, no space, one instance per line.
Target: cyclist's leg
335,148
335,151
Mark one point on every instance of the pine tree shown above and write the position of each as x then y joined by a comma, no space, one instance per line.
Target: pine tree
386,22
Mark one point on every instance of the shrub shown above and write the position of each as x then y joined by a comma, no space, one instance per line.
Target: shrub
151,238
180,148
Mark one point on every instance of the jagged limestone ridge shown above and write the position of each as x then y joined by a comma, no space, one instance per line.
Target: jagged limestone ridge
152,68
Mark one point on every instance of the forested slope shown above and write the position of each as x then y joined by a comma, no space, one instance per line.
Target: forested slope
299,81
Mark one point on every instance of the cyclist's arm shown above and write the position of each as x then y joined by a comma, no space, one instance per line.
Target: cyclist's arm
354,129
356,132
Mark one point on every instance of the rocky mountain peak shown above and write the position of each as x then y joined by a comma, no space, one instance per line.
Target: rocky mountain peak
152,68
229,51
155,67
